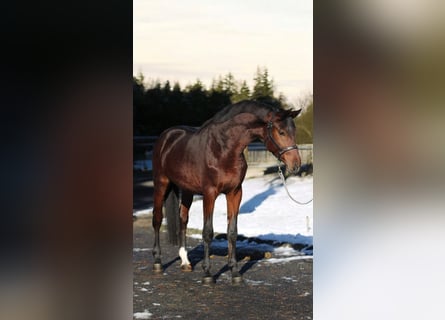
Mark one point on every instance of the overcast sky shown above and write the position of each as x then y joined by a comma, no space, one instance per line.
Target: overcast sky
182,40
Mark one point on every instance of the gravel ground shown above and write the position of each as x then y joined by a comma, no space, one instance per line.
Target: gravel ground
280,290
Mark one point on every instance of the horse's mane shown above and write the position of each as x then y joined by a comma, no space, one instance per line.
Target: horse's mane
246,106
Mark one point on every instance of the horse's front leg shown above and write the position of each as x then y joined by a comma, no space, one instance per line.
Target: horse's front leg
233,202
207,233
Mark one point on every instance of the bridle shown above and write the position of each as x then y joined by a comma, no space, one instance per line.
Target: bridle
280,151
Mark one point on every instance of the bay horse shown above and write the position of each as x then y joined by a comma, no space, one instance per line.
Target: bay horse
209,161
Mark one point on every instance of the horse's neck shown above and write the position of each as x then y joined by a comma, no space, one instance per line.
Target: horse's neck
237,135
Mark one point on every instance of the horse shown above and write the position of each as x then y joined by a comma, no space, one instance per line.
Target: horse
209,161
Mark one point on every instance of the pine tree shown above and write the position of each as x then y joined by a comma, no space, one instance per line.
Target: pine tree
139,79
229,84
197,86
267,84
167,87
217,85
263,86
305,122
242,94
176,87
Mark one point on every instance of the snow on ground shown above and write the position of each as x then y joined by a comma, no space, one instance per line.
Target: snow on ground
266,211
142,315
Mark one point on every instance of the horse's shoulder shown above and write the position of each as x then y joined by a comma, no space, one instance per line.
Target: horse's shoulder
181,129
177,132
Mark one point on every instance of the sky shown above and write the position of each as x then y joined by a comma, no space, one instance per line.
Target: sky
197,39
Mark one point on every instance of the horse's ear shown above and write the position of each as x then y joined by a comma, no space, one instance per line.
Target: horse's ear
288,113
295,113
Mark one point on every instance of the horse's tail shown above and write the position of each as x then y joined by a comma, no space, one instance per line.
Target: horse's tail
172,214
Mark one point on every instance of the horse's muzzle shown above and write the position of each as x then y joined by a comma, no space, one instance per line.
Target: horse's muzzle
294,170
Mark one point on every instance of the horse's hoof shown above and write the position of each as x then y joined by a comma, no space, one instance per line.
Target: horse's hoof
237,279
208,279
157,267
186,268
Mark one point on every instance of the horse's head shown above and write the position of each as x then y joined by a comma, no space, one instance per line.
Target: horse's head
279,138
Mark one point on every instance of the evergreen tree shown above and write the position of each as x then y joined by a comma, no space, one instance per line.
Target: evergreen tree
195,104
217,85
263,86
229,84
305,121
242,94
138,104
138,91
167,87
197,86
176,104
157,105
267,84
176,87
139,79
283,101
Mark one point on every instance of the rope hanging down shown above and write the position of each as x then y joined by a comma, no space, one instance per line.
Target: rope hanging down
280,173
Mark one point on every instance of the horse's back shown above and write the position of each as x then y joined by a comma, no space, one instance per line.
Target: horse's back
171,148
171,137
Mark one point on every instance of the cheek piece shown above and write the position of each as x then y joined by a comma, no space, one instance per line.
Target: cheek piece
280,151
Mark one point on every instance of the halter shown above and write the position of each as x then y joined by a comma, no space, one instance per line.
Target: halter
280,151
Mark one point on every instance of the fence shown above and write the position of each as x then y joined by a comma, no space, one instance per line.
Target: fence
142,147
256,153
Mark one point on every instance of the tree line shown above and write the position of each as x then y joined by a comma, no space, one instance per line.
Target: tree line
158,106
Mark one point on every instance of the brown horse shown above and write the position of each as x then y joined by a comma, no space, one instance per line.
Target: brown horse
209,161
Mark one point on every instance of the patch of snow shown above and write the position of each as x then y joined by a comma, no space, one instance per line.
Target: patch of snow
290,279
142,315
141,249
286,251
143,212
253,282
283,260
266,210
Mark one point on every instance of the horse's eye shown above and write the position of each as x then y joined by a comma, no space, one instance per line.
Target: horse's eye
282,133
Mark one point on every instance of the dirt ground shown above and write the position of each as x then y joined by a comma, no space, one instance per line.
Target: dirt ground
280,290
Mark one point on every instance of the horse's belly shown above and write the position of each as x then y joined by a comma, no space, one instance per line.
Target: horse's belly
230,183
186,179
190,187
198,184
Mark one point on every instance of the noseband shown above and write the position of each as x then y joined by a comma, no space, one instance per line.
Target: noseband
280,151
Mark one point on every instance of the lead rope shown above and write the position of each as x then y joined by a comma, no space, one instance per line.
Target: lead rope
280,173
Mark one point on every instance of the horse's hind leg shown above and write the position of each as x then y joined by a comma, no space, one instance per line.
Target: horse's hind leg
186,202
160,188
233,202
207,233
